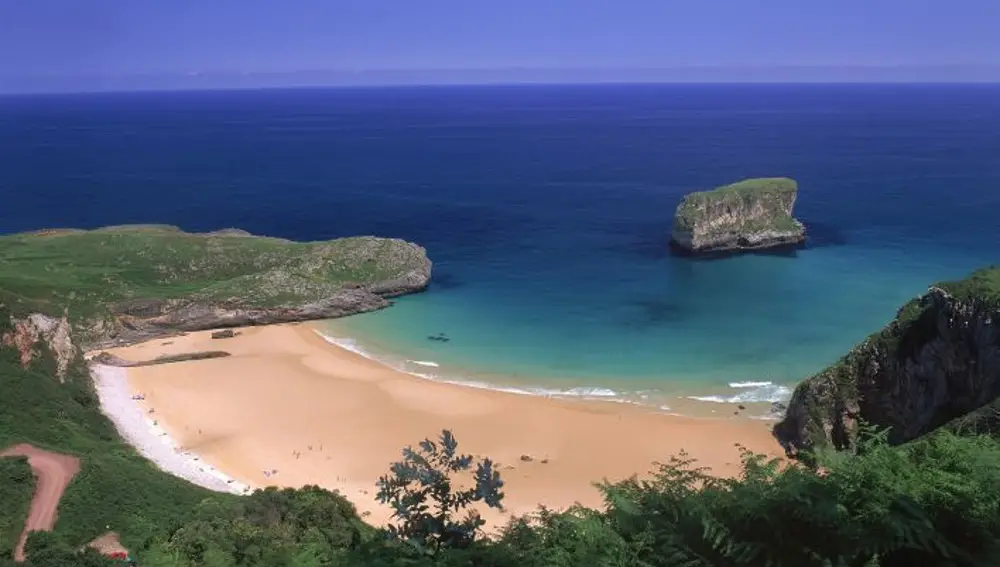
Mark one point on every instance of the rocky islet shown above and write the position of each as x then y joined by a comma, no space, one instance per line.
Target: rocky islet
753,214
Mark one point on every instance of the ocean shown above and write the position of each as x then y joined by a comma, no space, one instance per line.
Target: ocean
547,211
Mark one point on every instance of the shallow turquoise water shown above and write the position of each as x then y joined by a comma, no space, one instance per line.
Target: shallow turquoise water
750,319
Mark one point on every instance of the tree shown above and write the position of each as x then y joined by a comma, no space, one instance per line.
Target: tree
425,500
45,549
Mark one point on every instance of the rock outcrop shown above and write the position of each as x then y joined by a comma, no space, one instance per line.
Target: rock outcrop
937,361
754,214
108,359
141,321
27,335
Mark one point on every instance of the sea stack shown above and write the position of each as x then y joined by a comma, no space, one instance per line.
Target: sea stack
753,214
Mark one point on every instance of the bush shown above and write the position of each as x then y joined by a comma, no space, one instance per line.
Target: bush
424,499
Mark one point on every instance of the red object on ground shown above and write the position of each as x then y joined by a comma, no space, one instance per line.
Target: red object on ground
53,471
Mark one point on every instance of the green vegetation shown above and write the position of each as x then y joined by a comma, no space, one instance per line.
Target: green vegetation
982,285
421,490
88,272
115,487
931,503
775,194
16,487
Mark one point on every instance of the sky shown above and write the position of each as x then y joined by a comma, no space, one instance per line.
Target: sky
67,43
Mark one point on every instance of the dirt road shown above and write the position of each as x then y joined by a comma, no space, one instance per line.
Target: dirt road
53,471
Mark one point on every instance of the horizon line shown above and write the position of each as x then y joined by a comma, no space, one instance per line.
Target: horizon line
195,80
720,83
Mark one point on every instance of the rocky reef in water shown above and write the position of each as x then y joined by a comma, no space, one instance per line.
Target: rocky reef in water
120,285
937,361
753,214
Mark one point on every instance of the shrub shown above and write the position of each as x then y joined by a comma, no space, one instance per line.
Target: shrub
425,500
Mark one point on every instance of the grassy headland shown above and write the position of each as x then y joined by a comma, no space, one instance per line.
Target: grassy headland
148,272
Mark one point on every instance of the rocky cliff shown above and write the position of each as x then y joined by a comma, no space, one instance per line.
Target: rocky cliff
125,284
939,359
753,214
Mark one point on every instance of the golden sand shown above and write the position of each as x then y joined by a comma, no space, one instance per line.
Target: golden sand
286,400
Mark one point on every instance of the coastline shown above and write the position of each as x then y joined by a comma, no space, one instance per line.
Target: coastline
759,397
288,408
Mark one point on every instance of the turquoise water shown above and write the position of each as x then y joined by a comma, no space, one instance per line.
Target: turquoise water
547,211
750,319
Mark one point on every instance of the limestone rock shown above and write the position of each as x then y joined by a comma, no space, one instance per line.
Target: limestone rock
753,214
938,360
30,333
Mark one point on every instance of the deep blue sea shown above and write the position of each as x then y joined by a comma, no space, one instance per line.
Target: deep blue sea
547,211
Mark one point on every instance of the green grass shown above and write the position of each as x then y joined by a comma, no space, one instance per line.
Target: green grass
983,284
88,271
757,186
771,192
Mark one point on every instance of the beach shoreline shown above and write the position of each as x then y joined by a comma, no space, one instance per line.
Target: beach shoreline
141,429
289,408
759,399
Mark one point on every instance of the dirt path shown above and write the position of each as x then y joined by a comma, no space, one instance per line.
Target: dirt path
53,472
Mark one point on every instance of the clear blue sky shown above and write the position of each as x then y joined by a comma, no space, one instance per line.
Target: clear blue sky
70,40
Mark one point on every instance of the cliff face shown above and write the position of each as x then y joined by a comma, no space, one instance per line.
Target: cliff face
138,321
938,360
753,214
125,284
28,335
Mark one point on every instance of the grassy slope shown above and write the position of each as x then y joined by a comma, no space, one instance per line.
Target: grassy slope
87,270
692,207
116,486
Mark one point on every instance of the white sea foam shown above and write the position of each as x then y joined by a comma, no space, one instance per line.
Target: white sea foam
346,344
749,384
587,393
751,392
143,433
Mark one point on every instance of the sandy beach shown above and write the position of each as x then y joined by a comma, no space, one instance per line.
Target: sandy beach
288,401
